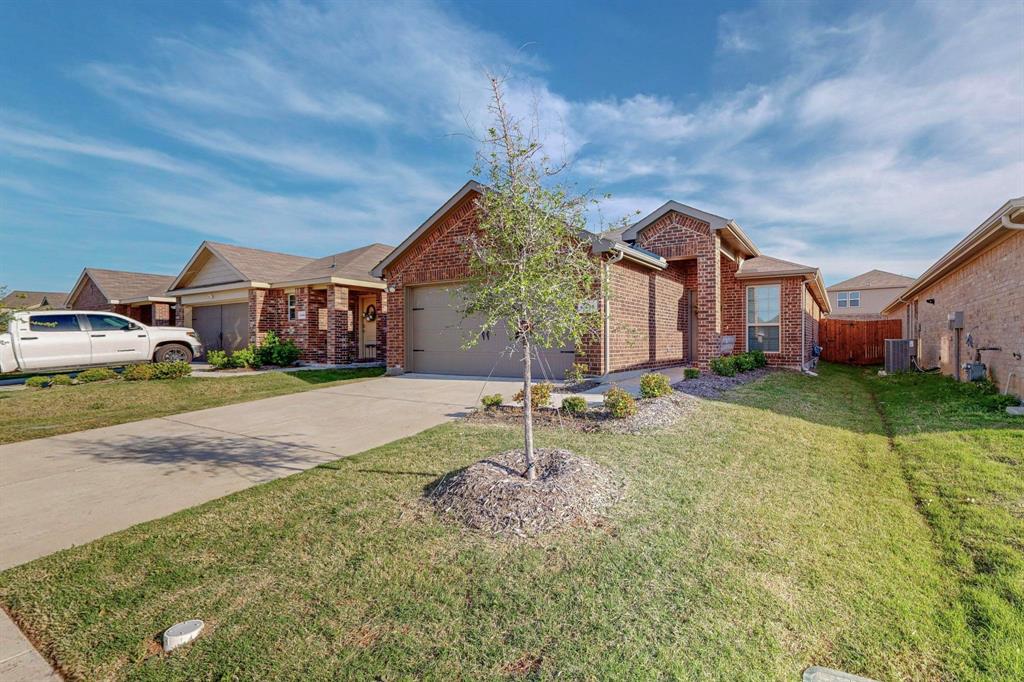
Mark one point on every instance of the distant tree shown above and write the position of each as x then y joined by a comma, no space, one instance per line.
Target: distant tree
6,313
531,267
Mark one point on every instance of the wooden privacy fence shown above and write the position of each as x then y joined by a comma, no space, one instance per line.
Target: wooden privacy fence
857,342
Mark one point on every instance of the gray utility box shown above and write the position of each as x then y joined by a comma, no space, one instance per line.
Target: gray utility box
898,355
975,371
956,320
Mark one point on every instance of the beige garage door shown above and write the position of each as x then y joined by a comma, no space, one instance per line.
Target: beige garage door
437,333
222,327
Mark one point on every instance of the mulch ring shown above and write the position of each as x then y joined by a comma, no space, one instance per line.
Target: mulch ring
492,495
710,385
651,414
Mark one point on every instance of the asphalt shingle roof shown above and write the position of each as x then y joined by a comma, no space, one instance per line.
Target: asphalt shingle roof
118,285
873,279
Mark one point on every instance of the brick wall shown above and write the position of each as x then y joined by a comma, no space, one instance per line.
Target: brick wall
649,314
90,298
990,291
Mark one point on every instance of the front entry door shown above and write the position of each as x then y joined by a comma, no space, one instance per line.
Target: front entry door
368,327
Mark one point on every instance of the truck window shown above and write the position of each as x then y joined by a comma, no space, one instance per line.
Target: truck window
107,323
54,323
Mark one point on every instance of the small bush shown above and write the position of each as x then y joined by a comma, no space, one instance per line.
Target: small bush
274,351
691,373
246,357
61,380
540,395
492,401
619,403
37,382
577,373
137,373
724,365
219,359
171,370
96,374
654,385
744,362
760,359
574,405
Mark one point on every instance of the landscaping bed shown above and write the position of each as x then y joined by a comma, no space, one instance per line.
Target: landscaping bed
709,385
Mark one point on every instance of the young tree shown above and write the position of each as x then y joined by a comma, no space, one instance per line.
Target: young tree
531,267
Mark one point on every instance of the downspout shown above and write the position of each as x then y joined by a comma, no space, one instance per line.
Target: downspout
607,351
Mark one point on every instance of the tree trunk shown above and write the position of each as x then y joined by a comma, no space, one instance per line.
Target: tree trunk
531,465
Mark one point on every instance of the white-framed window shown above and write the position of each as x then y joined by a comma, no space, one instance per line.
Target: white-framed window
849,299
291,306
764,305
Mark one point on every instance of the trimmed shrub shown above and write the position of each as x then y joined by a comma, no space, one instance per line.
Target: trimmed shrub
691,373
274,351
724,365
577,373
744,362
619,403
219,359
540,395
61,380
492,401
574,405
171,370
246,357
760,359
654,385
137,373
37,382
96,374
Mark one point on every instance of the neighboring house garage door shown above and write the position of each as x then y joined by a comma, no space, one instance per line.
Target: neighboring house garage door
222,327
437,334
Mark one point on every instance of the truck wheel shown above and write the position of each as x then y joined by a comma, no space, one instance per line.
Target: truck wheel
173,352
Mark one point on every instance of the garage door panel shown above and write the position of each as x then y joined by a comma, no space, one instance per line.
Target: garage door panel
438,332
222,327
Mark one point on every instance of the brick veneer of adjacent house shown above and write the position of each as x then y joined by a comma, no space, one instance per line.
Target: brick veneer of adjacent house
326,325
987,285
88,296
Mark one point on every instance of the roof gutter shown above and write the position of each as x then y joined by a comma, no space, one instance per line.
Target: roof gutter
1001,219
343,281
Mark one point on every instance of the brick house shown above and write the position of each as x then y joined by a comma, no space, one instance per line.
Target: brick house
683,286
983,278
332,307
863,297
141,296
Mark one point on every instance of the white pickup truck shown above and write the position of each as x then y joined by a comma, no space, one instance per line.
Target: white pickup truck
73,339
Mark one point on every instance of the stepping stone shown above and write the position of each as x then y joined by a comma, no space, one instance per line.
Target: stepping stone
818,674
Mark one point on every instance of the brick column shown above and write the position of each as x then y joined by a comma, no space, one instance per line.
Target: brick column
339,324
161,314
709,302
256,298
382,326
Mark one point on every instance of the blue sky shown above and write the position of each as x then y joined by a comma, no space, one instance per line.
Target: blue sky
843,135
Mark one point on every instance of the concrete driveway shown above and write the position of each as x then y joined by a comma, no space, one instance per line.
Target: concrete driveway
67,490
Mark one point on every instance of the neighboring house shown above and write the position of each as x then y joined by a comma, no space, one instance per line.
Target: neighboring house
680,281
33,300
983,278
332,307
141,296
863,297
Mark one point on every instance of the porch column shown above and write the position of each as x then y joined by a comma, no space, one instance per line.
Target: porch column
339,324
709,301
256,298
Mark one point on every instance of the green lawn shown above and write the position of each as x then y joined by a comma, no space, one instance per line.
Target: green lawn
35,413
778,530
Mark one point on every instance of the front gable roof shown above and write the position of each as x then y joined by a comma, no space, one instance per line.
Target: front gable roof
122,286
731,231
873,279
470,187
33,300
244,264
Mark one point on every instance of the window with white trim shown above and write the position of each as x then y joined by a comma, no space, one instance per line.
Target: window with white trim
764,304
848,299
291,306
